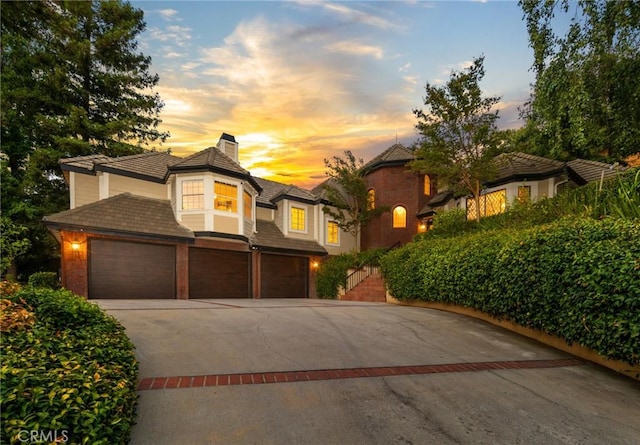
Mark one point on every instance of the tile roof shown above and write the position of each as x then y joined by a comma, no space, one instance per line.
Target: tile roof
149,165
397,154
270,189
588,171
210,157
274,191
124,213
269,237
82,162
514,166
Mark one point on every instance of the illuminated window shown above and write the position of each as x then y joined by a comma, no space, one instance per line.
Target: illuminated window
248,205
427,185
298,219
371,199
192,195
226,197
332,232
524,193
399,217
490,204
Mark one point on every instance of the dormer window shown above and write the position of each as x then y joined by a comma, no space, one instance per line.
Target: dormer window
193,195
225,197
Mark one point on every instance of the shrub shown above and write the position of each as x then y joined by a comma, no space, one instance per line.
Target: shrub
70,367
44,279
9,288
576,278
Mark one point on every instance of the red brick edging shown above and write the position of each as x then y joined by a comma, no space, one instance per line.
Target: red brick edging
150,383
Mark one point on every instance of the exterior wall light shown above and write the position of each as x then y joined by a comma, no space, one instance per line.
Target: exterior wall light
314,264
75,246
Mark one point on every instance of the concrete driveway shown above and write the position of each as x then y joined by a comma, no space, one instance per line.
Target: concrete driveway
335,372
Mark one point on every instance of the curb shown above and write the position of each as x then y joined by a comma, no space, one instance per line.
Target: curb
548,339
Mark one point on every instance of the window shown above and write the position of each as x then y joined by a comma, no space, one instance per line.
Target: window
225,197
427,185
399,217
490,204
248,205
332,232
524,193
371,199
298,218
192,195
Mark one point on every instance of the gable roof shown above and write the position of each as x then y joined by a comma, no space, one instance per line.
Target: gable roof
148,166
584,171
82,164
124,213
273,192
269,237
522,166
214,160
397,154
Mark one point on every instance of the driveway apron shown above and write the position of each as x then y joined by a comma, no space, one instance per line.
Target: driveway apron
304,371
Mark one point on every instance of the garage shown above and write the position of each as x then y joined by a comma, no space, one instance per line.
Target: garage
128,270
218,274
283,276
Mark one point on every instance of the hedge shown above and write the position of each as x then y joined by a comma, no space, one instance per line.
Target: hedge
578,279
66,367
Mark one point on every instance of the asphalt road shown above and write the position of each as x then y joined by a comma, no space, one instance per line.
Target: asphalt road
336,372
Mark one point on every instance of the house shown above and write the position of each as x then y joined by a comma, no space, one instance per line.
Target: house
153,225
391,184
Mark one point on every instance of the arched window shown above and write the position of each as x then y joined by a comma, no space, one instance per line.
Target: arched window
399,217
371,199
427,185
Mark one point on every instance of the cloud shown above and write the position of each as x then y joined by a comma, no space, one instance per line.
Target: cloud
351,14
356,48
168,14
289,102
178,35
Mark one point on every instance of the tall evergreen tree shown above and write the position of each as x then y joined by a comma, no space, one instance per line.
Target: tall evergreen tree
73,83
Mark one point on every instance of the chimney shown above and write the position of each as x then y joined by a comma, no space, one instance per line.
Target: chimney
227,144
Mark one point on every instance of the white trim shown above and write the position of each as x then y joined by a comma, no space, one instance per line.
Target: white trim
72,190
103,184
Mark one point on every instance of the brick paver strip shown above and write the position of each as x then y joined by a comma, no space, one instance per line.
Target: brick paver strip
254,378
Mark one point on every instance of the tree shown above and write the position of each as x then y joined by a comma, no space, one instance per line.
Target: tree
586,96
73,83
459,137
347,195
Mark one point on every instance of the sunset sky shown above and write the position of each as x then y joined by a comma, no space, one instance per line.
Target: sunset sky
300,81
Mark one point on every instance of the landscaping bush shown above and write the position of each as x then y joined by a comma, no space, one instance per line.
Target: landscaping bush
66,366
577,278
44,279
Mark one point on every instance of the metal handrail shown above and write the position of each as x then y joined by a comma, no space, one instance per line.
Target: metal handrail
363,272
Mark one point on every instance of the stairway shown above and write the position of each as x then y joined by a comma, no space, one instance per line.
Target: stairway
371,288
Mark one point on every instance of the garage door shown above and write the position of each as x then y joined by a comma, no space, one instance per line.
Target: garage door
218,274
125,270
283,276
